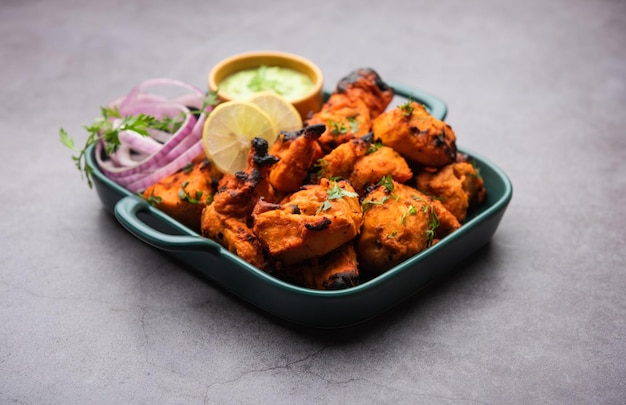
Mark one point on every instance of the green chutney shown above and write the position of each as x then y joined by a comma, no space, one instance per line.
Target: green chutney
286,82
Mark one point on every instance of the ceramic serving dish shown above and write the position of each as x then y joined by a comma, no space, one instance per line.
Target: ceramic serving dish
313,308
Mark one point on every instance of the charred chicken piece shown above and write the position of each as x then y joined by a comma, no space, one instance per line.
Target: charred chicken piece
399,222
226,219
336,270
364,162
339,163
297,151
365,84
308,223
416,135
348,113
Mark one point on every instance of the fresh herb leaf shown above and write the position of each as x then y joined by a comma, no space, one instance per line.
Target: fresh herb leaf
354,124
170,124
387,182
188,168
375,146
334,193
407,108
154,199
433,224
66,139
410,211
321,165
337,128
185,196
326,205
367,204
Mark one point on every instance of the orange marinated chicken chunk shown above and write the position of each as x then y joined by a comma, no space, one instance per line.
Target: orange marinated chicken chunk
184,194
399,222
226,220
364,162
308,223
336,270
458,186
416,135
348,113
297,151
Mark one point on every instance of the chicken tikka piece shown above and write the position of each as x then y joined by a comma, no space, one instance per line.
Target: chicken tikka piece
458,185
184,194
336,270
358,98
297,151
309,223
416,135
399,222
364,161
227,219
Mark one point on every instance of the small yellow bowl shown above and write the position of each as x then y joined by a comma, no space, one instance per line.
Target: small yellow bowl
306,104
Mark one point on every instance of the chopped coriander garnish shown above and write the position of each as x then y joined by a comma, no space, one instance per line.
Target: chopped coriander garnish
367,204
335,193
337,128
185,196
433,224
374,147
407,108
188,168
387,182
354,125
154,199
326,205
410,211
261,82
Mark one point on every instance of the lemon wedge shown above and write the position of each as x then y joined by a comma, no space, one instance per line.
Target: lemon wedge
229,130
280,110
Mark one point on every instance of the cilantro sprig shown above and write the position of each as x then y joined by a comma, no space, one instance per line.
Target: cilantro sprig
105,129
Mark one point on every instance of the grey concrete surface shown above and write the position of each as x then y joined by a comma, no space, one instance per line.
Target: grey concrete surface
91,315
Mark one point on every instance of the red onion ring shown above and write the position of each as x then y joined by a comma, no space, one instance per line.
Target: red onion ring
139,161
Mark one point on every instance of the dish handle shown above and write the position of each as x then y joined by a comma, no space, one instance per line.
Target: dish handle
127,211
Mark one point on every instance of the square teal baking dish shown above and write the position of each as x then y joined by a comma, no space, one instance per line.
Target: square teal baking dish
302,306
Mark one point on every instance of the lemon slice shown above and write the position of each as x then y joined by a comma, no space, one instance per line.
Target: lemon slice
281,111
228,131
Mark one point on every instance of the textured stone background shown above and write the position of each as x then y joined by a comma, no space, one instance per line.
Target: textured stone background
89,314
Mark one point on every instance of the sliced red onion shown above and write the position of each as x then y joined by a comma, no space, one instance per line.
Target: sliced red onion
178,163
139,161
139,143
